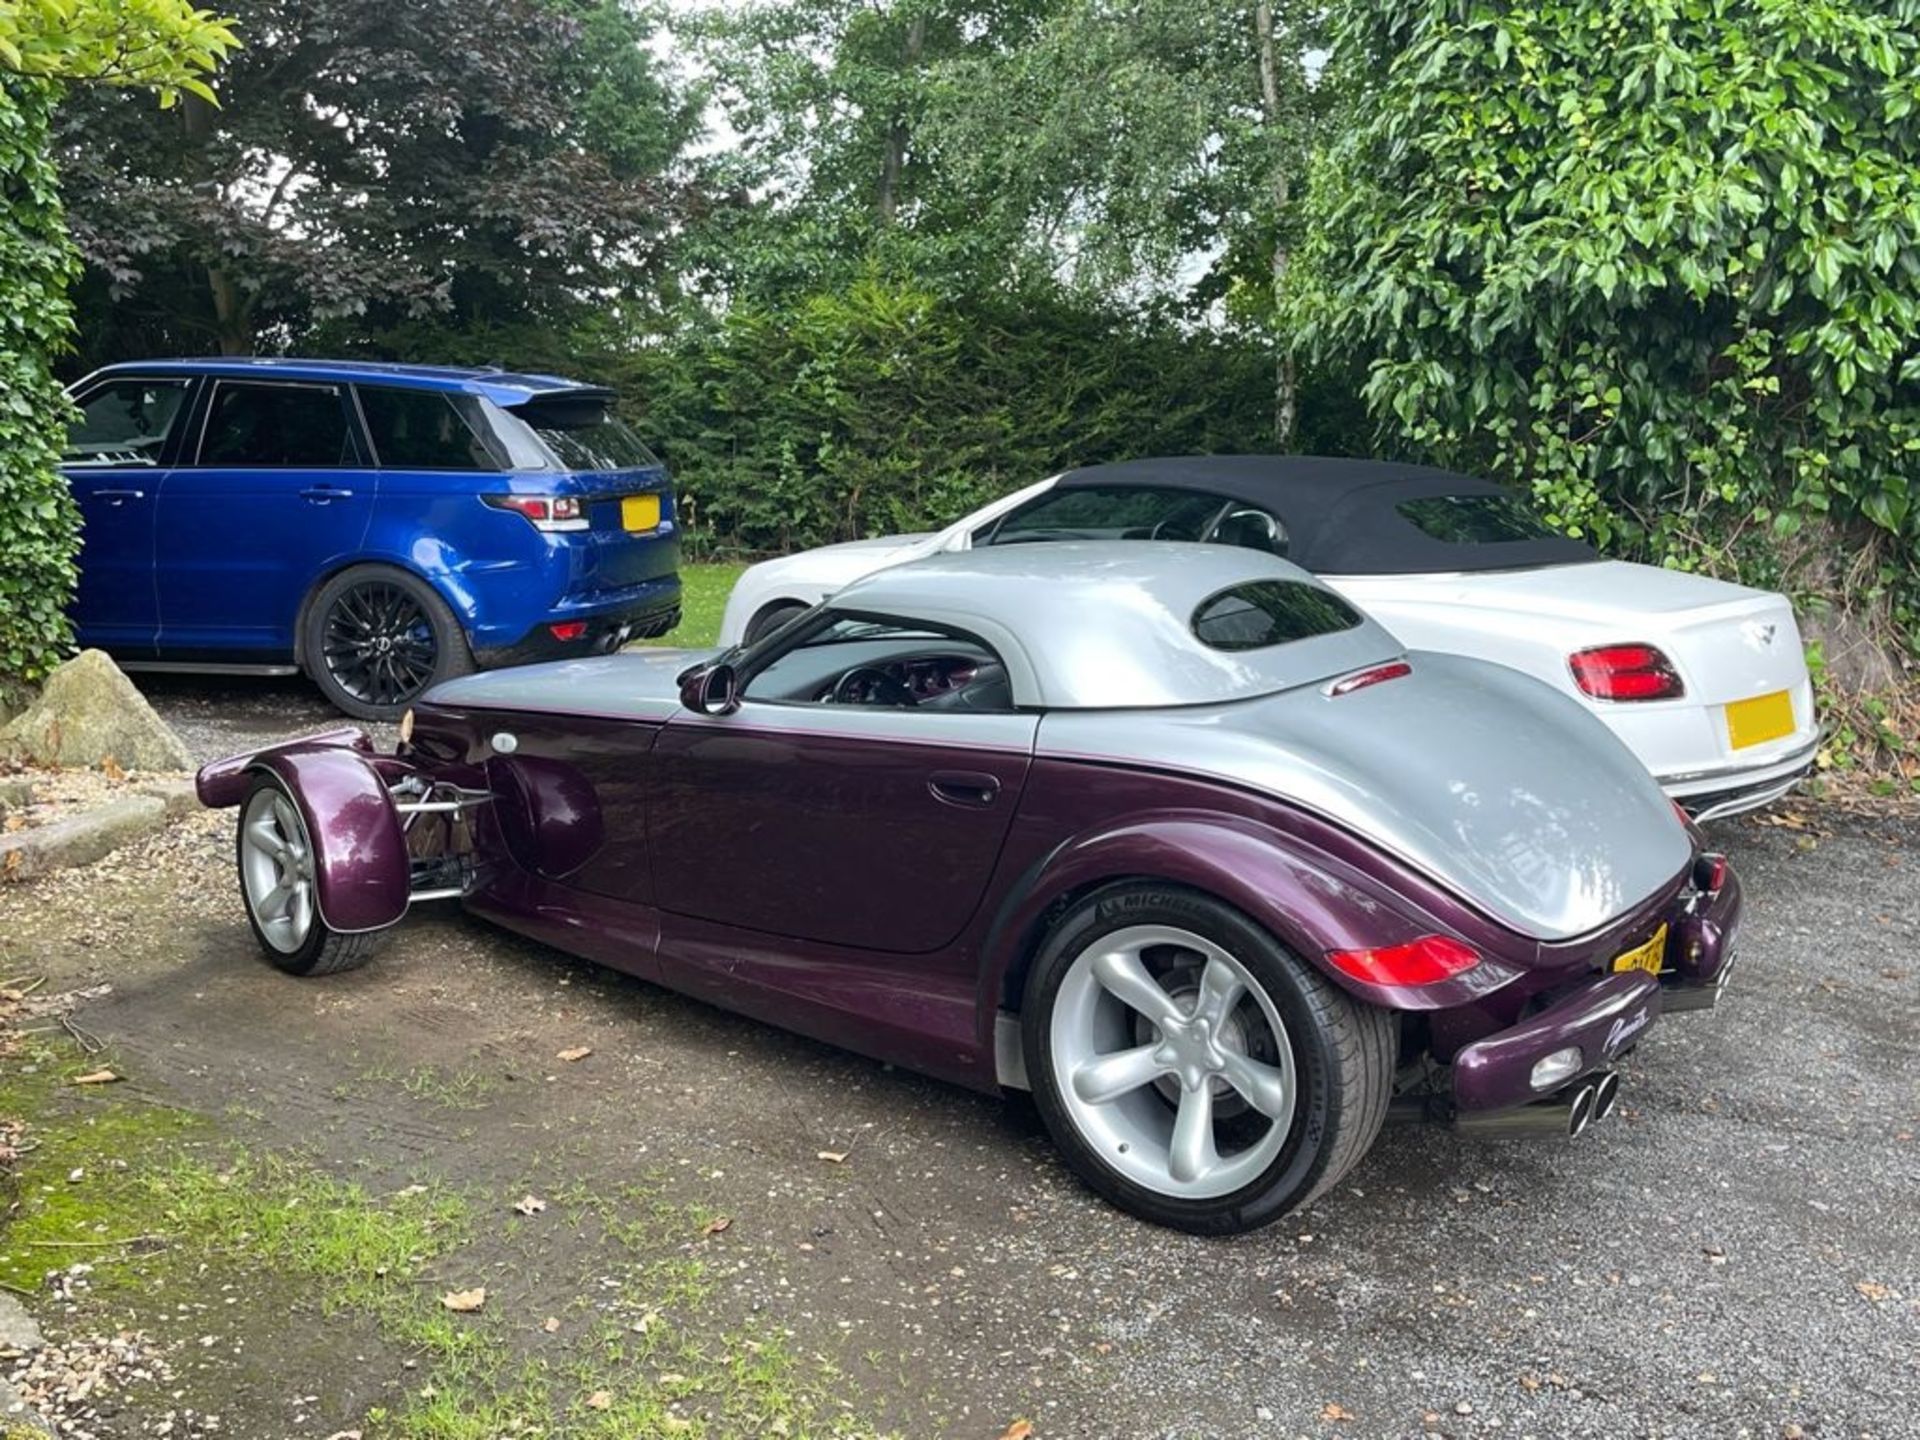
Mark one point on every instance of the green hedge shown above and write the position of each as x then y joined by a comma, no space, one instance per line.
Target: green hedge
39,525
883,407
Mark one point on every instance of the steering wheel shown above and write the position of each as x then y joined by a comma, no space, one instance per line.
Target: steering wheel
869,685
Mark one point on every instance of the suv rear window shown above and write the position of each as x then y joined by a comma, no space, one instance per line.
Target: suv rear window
1263,613
585,434
428,430
1476,519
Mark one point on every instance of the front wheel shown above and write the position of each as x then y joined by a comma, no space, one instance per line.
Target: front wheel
278,879
376,638
1191,1069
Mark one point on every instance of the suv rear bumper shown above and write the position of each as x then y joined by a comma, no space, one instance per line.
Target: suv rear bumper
639,612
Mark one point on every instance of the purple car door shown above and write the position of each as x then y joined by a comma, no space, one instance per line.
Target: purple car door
870,827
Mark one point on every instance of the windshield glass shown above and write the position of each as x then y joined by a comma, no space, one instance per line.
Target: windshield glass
1475,519
1109,512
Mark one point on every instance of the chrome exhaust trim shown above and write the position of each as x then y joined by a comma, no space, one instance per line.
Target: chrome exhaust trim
1606,1095
1566,1115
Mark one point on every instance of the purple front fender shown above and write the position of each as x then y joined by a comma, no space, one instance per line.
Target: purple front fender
361,869
221,783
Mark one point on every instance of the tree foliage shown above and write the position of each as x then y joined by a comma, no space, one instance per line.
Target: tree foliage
1658,261
497,161
165,45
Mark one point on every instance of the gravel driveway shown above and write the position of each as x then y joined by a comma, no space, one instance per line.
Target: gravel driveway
1736,1254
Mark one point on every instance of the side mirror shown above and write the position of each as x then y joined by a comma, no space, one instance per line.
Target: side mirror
712,690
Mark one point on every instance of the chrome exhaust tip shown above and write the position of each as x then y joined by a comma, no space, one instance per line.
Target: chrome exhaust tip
1580,1111
1606,1094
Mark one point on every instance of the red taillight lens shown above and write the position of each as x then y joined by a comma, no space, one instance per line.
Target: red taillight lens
1710,873
568,629
1625,672
545,512
1360,679
1426,961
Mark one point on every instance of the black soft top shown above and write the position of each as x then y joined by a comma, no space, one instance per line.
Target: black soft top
1340,515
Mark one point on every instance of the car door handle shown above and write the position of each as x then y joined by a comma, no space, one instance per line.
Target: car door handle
968,789
321,494
119,497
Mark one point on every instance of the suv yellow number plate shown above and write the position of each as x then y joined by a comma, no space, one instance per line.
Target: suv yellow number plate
1763,718
639,512
1647,957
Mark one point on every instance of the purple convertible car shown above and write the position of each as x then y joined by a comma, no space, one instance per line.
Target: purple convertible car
1170,835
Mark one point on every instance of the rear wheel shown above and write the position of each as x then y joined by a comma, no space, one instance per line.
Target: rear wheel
1191,1069
376,638
772,618
278,877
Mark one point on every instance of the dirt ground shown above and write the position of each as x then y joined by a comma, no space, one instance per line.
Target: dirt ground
1738,1254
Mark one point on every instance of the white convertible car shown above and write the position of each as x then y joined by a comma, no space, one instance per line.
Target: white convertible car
1706,681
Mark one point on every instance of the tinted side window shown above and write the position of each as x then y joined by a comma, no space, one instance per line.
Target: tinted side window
1109,512
277,427
125,422
423,430
1270,612
1475,519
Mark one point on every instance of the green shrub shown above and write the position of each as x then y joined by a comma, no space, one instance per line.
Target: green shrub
39,526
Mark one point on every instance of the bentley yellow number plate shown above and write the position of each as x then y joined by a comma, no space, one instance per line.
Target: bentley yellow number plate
1763,718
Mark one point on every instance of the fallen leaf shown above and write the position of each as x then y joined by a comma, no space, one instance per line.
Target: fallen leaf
716,1225
1331,1411
344,1435
465,1302
578,1052
529,1205
833,1157
96,1077
1873,1290
600,1400
110,767
1018,1430
550,1324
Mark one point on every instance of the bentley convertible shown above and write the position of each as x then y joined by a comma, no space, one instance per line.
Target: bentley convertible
1169,834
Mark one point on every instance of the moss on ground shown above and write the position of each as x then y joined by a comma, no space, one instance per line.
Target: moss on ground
157,1199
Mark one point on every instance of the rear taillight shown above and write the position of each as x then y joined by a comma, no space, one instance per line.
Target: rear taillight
543,512
1426,961
1710,873
1625,672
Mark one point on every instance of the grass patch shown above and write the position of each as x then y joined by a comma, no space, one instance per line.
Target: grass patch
160,1203
703,600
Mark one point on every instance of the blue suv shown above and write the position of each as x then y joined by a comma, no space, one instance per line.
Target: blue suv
381,527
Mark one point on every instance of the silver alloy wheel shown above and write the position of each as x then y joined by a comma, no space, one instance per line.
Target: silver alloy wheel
276,869
1205,1037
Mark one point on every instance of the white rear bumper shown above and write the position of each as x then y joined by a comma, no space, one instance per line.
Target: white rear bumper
1730,789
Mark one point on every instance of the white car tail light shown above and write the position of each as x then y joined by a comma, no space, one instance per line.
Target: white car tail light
1625,672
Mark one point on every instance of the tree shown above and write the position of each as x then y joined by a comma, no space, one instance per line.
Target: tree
483,163
161,45
1656,261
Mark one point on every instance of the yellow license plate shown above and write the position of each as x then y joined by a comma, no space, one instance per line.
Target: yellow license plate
640,512
1645,957
1763,718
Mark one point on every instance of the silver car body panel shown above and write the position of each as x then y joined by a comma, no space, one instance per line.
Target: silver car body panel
1107,625
1494,785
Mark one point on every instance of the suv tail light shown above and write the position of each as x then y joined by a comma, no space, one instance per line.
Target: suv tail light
1625,672
544,512
1426,961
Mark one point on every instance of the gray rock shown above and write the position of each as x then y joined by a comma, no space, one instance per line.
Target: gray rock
81,839
88,712
18,1331
15,1416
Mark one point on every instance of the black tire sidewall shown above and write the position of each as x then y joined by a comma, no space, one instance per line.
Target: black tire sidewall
771,619
452,655
1299,997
